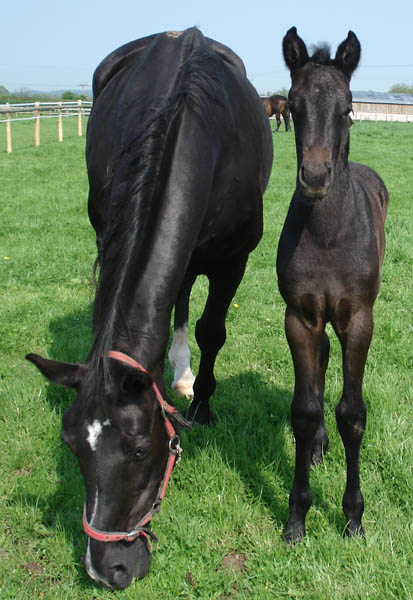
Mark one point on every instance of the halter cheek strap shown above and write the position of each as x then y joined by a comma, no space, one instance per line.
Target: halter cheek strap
174,457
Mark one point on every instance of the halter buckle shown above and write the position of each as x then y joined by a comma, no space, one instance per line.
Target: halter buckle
175,447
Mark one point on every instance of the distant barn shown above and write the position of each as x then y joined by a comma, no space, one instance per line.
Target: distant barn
382,106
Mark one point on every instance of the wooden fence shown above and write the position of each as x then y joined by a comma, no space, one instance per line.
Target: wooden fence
35,111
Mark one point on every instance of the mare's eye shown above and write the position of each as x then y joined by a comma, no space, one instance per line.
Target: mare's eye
139,453
134,448
136,454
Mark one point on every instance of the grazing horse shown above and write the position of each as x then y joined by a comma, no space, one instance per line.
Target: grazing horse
278,105
179,153
329,261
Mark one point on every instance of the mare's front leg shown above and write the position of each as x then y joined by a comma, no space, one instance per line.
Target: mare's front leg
304,338
210,335
355,333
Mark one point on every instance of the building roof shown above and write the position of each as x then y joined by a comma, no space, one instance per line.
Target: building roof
382,98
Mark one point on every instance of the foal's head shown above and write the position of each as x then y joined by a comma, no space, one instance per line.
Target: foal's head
123,442
320,103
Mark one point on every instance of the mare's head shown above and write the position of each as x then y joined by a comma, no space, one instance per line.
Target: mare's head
126,447
320,103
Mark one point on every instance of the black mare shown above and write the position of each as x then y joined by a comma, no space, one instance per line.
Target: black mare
179,153
278,105
329,261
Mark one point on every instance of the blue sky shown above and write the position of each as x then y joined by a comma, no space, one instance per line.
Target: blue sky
57,45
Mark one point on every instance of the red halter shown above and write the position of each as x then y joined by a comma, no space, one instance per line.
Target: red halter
174,457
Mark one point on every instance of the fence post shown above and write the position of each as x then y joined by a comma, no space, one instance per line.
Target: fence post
79,118
8,131
60,124
36,125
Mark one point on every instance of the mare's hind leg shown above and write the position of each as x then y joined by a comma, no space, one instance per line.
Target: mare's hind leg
304,339
355,334
210,335
278,117
320,442
180,354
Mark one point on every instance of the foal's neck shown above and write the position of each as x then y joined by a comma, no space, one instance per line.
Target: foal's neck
330,218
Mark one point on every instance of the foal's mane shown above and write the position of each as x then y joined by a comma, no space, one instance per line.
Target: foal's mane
137,178
321,54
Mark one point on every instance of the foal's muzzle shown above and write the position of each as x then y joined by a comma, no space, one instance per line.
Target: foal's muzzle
315,173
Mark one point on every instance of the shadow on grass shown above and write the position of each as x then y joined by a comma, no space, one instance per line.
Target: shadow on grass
250,432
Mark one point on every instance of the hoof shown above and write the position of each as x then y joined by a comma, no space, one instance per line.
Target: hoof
183,388
199,414
353,530
294,532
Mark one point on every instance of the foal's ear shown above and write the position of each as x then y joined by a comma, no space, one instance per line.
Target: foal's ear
294,50
61,373
348,54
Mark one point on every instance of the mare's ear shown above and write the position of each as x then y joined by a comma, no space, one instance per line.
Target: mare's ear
348,54
294,50
61,373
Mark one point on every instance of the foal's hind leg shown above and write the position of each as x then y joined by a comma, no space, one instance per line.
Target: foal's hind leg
179,354
320,442
355,337
211,334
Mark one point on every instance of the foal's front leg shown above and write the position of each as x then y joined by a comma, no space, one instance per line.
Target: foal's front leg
355,337
304,339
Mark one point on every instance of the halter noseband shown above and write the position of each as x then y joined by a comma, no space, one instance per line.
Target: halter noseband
174,457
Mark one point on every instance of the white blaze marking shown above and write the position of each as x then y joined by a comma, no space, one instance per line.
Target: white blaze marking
180,359
90,569
94,432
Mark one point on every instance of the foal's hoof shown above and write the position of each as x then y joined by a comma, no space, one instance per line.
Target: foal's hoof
353,530
200,414
294,532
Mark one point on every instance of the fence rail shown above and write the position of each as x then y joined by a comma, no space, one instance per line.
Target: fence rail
380,116
43,110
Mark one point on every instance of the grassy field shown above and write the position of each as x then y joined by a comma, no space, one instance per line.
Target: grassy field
221,523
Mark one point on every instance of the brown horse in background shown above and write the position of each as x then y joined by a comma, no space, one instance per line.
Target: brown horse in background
278,105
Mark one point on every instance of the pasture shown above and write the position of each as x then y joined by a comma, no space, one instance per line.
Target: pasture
221,523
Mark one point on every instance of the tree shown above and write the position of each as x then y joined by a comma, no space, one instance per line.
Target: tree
69,95
4,91
401,88
281,92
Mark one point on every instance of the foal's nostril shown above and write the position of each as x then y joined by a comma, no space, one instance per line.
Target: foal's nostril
120,577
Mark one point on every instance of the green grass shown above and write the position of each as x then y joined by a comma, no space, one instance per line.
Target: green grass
229,495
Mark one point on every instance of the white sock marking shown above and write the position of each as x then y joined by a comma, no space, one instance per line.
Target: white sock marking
180,359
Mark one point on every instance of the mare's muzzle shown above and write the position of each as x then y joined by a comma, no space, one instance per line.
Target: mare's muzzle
115,565
316,172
